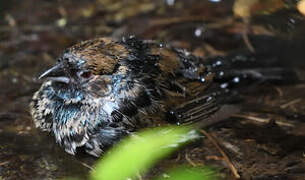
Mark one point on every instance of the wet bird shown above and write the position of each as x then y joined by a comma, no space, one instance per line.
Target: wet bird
101,90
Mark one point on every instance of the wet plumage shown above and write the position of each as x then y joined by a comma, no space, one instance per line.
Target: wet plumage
101,90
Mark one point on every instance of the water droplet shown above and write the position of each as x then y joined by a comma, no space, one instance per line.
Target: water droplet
224,85
81,62
198,32
124,39
209,98
215,1
236,80
15,80
218,63
170,2
221,73
186,53
202,79
292,21
178,123
172,112
161,45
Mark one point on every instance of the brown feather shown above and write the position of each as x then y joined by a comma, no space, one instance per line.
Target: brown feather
101,54
169,62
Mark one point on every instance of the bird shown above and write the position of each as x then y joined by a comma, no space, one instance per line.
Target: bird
101,90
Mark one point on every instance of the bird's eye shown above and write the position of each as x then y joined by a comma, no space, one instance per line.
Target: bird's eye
86,74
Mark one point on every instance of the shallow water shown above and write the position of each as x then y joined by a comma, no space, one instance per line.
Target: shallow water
34,33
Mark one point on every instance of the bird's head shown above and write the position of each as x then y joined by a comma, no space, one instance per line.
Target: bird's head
84,61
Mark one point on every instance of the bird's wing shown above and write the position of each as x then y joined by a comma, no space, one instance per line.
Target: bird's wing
194,110
188,85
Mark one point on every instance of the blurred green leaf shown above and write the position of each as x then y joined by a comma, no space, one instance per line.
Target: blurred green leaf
189,173
138,153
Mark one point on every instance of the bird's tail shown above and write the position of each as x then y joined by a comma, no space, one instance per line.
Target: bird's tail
239,71
267,65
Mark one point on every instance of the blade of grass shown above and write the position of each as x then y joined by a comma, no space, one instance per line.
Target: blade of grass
138,153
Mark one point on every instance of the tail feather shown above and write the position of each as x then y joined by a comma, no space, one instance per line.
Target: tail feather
240,70
277,60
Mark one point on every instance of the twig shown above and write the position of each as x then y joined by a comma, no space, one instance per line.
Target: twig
262,120
217,158
226,158
86,165
189,160
279,90
4,163
246,38
175,20
290,103
232,148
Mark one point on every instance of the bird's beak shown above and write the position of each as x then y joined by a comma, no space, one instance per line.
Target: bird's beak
56,73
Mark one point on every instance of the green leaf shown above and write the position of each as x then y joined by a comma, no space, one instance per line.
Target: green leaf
183,173
140,152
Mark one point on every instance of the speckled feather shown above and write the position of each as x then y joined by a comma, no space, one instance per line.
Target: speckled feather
101,90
